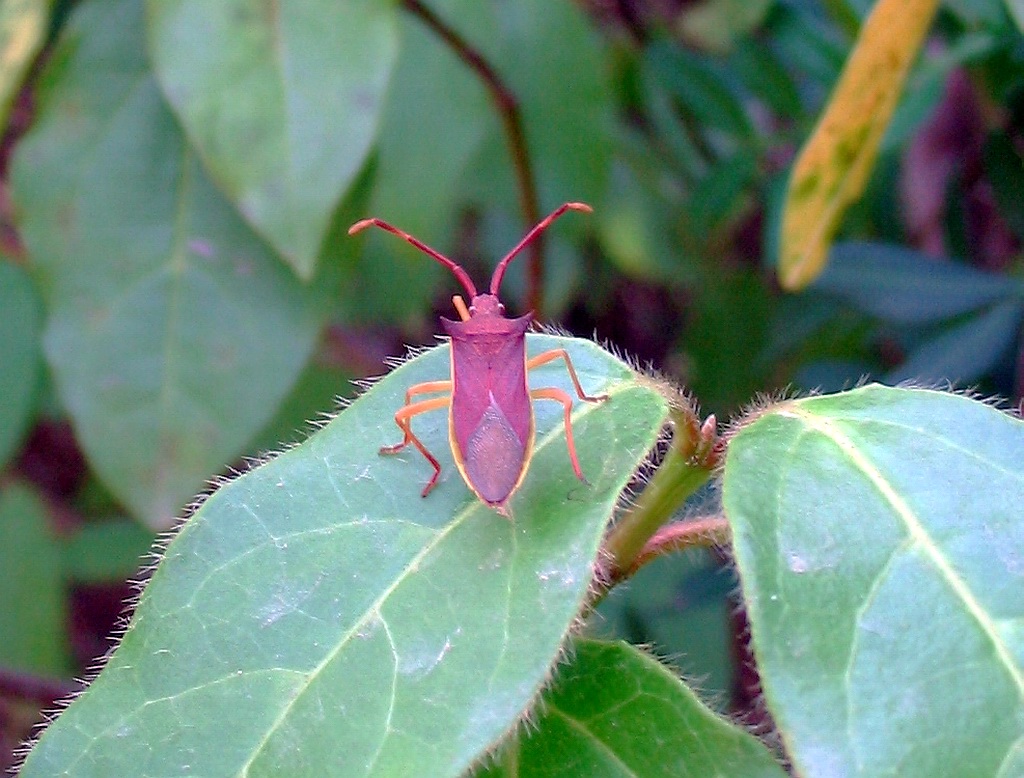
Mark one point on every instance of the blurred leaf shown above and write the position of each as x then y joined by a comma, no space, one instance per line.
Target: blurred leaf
903,285
281,101
673,140
716,24
976,13
814,49
900,515
107,550
312,400
834,165
765,75
555,62
966,352
926,85
316,616
702,91
615,711
1016,10
725,369
831,375
20,335
33,613
635,226
716,196
1004,168
23,25
433,124
172,331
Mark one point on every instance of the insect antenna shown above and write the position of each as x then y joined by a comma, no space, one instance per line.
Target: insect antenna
457,270
499,271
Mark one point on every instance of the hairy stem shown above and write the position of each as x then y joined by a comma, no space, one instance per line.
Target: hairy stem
691,458
511,118
706,532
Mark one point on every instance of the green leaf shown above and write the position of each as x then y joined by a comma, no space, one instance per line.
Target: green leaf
718,24
879,535
316,616
718,195
281,100
703,91
434,122
615,711
966,352
555,59
680,605
764,73
555,62
902,285
33,611
1016,11
20,355
315,394
172,332
815,50
23,25
979,13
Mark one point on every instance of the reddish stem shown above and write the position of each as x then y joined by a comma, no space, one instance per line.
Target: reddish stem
700,533
511,117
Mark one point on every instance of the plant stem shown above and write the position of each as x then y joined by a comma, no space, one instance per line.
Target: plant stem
511,118
688,464
699,533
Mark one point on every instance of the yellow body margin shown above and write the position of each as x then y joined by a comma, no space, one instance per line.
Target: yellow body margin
833,167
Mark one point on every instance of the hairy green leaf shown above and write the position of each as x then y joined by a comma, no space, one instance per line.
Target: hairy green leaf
879,536
318,617
608,708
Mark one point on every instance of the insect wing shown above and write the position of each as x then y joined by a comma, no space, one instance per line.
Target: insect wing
491,417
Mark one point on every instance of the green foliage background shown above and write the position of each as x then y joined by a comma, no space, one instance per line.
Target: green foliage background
178,291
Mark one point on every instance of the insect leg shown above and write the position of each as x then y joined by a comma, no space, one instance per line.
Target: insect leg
426,387
561,353
550,393
403,420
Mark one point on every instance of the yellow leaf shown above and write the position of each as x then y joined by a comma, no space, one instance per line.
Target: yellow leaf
22,32
833,167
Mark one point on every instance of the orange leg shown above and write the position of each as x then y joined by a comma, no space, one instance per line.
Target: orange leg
427,387
551,393
561,353
403,420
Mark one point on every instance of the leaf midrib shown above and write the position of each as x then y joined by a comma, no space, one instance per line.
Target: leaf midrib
374,607
917,532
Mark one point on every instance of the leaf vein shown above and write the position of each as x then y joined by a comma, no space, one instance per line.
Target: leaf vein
919,537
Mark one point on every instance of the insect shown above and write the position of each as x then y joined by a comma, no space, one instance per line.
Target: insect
491,426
